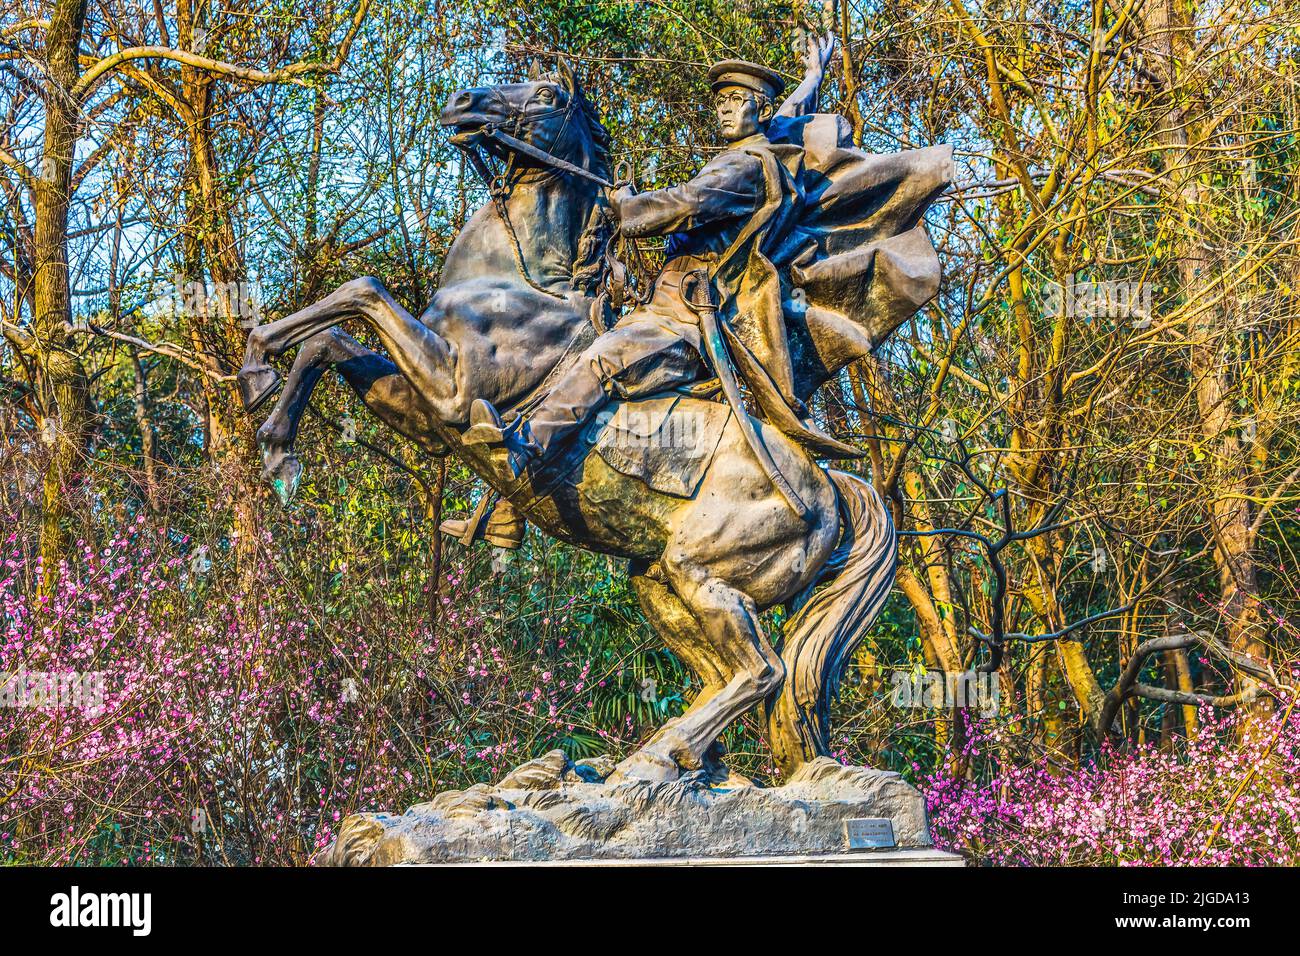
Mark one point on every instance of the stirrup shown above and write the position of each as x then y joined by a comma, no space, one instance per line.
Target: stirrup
500,526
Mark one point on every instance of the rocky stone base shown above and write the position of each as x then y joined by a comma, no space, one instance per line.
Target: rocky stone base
550,809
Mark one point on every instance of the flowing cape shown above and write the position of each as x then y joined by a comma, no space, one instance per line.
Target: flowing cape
859,260
832,270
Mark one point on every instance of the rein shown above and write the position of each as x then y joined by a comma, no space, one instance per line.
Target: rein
528,149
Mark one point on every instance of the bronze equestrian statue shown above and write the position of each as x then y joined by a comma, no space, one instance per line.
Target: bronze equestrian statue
790,255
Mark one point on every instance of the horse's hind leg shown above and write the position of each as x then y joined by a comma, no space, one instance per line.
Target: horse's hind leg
747,669
677,625
376,381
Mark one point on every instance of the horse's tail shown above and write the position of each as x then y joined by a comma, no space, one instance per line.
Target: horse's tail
828,624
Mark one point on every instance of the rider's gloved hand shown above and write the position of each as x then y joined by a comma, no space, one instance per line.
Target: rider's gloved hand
618,196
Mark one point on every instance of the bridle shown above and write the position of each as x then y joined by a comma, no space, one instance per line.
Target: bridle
520,121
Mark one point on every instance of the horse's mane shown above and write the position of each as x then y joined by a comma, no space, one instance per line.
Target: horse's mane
597,270
599,135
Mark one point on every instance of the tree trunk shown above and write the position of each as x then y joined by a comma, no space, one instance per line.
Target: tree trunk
1228,475
62,386
217,335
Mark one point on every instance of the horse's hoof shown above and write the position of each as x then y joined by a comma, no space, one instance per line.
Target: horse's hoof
256,384
284,476
645,765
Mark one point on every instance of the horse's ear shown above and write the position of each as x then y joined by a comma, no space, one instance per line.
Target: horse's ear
534,70
567,78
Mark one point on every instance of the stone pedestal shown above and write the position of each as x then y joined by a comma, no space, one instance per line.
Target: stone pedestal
550,810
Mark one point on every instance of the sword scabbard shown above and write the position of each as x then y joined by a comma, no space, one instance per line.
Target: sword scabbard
699,296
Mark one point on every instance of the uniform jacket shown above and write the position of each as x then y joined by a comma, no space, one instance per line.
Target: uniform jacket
741,203
821,252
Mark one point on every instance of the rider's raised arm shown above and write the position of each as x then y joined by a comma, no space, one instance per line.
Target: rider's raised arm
805,97
730,185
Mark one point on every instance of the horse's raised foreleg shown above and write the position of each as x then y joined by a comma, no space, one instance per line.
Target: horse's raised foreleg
376,381
422,356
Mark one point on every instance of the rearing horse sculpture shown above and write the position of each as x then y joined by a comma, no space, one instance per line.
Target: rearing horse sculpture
516,302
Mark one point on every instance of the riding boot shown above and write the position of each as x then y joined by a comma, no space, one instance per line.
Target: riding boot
487,428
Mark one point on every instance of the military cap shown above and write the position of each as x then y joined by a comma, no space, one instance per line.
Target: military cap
749,75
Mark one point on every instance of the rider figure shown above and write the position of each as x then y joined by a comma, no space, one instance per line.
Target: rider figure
657,345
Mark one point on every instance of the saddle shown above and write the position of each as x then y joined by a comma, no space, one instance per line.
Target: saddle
644,440
635,438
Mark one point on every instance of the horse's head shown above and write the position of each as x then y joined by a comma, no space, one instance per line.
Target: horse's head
547,111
